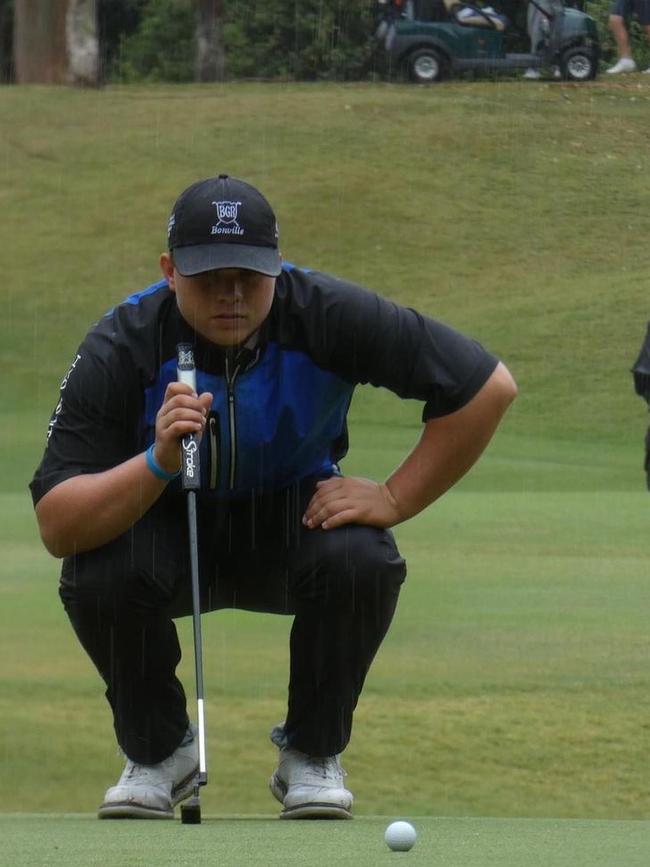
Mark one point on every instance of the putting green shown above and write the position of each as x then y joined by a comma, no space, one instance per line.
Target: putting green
230,841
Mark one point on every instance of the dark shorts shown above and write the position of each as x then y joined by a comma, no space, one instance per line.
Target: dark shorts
627,8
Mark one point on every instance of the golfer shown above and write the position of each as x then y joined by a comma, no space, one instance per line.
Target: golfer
278,351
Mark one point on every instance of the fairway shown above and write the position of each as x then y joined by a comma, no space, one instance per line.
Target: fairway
235,841
515,679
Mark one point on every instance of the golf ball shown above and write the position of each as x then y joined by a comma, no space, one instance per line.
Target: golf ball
400,836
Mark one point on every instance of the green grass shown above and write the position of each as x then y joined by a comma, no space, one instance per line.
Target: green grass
513,211
514,681
232,841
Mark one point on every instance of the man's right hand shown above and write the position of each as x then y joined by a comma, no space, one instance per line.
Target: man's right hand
91,509
182,412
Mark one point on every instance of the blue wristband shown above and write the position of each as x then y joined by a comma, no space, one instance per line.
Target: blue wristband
158,472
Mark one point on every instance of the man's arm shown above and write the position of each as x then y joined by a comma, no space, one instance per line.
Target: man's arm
89,510
447,449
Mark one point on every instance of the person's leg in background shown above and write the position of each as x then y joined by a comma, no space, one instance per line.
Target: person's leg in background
619,11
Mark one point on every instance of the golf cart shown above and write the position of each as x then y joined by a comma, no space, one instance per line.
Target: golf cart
432,39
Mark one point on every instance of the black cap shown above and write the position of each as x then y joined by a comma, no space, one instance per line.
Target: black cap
223,223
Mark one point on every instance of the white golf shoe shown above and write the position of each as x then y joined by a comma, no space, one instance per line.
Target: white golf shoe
625,64
309,787
152,791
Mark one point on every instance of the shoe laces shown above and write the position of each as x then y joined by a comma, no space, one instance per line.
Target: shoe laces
326,767
145,774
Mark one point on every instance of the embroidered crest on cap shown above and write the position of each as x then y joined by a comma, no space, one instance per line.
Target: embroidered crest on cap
227,214
170,225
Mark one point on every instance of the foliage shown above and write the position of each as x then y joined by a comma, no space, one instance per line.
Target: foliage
162,47
303,39
117,19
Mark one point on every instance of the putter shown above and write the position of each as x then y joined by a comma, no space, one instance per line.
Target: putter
191,481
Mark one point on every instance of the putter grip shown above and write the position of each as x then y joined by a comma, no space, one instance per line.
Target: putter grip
190,461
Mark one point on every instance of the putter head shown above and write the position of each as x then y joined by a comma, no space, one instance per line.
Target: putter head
191,811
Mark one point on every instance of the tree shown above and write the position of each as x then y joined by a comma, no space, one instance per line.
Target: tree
209,62
82,42
6,41
162,45
301,39
118,20
39,41
55,42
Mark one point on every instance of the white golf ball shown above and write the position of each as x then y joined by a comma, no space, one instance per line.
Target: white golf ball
400,836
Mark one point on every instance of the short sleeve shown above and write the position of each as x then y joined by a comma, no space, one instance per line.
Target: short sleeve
368,339
94,424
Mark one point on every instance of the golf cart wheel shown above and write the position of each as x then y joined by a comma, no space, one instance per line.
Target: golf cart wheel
578,64
427,66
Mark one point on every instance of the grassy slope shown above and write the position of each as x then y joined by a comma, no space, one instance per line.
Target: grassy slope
514,212
515,679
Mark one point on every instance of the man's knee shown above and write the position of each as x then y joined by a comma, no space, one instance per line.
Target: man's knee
354,562
114,577
377,560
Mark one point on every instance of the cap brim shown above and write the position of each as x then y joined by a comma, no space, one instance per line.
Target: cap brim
190,261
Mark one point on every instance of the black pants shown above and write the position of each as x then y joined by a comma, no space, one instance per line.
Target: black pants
342,586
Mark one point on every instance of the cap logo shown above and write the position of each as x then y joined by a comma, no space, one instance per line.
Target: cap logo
170,225
227,215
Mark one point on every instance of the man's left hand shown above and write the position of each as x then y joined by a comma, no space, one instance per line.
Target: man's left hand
348,500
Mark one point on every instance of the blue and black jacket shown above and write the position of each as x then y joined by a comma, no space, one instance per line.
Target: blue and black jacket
279,409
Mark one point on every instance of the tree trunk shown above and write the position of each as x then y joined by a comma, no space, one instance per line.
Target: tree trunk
39,41
55,42
6,48
82,43
209,60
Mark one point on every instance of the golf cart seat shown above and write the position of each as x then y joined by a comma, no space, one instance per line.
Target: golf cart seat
471,15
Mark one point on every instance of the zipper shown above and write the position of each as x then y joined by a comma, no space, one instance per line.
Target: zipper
214,451
230,383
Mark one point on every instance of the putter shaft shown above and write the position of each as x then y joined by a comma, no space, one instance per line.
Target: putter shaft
196,623
191,483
